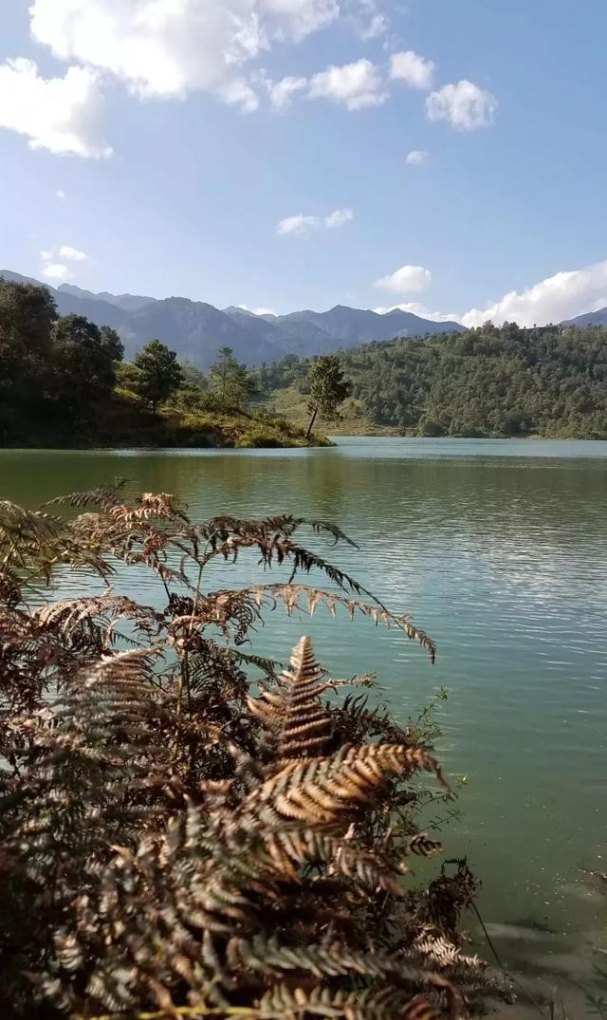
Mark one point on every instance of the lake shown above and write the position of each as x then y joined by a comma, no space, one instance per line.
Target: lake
498,549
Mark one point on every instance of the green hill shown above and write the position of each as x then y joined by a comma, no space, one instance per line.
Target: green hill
549,381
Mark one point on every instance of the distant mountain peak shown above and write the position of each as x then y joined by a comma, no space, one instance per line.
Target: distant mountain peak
196,330
597,318
128,302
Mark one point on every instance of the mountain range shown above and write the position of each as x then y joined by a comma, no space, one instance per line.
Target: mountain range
196,330
598,318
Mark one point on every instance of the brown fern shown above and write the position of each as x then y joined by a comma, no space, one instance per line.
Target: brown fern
173,844
300,725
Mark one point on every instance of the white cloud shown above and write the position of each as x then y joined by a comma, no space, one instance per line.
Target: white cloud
60,194
238,92
297,226
63,115
558,297
258,311
377,26
356,85
407,279
303,226
416,157
337,219
168,48
65,251
74,254
281,92
418,309
413,69
464,106
57,271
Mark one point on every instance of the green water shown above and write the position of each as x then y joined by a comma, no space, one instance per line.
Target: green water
498,549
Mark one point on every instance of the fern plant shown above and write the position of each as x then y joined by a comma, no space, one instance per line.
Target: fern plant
176,843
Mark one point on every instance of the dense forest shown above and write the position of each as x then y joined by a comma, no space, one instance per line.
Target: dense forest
63,382
548,381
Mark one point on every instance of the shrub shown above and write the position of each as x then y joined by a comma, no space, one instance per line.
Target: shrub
176,841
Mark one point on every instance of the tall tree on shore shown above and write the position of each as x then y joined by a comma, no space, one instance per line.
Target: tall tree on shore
328,388
230,380
159,373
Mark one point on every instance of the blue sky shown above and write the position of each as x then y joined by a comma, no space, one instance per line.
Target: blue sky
256,151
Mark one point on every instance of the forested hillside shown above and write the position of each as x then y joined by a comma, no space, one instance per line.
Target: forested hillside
549,381
63,383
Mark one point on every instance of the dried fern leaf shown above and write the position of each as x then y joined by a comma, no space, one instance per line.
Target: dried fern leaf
300,724
423,846
386,1003
306,599
324,790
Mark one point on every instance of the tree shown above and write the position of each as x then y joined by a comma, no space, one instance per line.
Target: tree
159,373
84,357
328,388
230,380
27,314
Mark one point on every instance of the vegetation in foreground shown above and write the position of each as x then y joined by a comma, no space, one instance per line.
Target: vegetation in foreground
63,383
177,842
487,382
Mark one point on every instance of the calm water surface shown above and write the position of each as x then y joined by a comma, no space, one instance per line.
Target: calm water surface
498,549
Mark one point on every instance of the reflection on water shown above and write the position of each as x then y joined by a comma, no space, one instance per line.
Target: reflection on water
498,550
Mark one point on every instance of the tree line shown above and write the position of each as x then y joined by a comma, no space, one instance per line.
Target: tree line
59,375
489,381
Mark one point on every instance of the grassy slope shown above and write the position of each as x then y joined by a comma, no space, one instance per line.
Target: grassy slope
128,423
293,405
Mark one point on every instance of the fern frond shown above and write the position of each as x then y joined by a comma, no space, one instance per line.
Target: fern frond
104,496
290,848
371,1004
91,619
325,790
306,599
329,959
423,846
159,506
293,713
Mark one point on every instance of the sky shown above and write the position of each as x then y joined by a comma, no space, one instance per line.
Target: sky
444,156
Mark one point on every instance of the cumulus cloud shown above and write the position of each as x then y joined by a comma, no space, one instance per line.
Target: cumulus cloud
412,69
167,49
60,271
74,254
60,194
57,271
464,106
281,92
356,86
407,279
64,251
416,157
238,92
303,226
339,218
558,297
63,115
